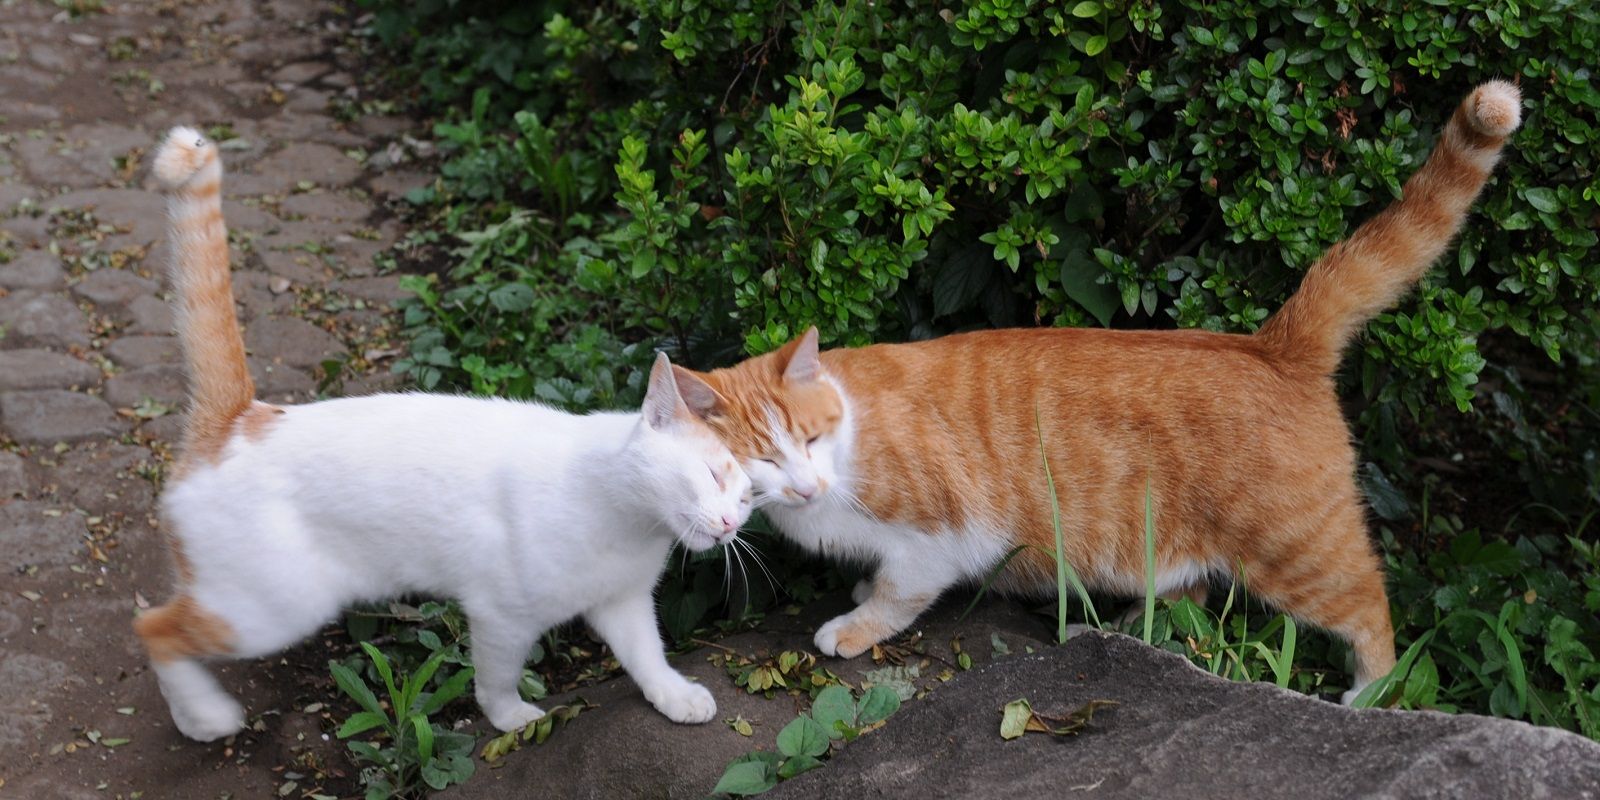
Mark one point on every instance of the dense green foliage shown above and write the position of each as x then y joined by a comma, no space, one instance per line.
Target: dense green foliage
713,175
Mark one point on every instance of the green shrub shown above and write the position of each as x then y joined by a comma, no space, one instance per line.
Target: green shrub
714,175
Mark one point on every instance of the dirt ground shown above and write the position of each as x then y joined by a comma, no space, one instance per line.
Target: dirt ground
90,387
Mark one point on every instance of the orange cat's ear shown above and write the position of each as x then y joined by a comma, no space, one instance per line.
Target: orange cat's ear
662,404
801,364
702,400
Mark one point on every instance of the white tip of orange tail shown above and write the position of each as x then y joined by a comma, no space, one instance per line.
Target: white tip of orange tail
184,154
1496,108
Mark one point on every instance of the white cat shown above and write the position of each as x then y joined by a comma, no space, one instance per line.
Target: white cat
281,517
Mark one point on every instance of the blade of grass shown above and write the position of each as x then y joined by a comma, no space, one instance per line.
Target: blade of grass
1149,564
1065,574
1380,688
989,581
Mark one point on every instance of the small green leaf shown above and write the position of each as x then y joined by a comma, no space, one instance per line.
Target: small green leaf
803,737
1086,9
1095,45
794,766
424,731
1543,199
746,778
355,687
877,705
361,722
834,705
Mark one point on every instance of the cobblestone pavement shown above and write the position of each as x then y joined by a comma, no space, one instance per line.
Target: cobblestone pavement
90,383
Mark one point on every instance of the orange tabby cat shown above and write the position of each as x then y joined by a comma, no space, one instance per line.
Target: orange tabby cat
924,458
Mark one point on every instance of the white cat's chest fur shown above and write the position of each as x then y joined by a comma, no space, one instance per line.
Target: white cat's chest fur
496,503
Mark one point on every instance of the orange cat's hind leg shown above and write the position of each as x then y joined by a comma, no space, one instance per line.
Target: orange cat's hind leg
177,636
1333,580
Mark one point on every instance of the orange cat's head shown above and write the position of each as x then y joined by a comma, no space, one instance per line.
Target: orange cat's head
779,415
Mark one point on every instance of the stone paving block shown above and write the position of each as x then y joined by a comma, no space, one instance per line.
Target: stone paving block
43,369
325,205
33,269
13,476
163,383
303,161
114,287
150,315
130,352
54,415
47,320
292,341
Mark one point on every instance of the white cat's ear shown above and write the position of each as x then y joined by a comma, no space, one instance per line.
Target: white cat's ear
702,400
663,406
804,364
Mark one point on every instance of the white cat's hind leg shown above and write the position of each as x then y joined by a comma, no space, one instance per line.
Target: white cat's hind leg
176,635
200,707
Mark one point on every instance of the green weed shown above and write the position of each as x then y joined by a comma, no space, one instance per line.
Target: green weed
411,751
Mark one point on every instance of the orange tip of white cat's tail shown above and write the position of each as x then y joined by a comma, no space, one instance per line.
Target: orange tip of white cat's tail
1496,108
184,155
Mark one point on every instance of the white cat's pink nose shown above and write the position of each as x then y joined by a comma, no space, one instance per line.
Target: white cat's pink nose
729,524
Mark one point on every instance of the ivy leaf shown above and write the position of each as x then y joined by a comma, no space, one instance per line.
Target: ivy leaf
803,737
1079,275
961,279
1543,199
1386,500
877,705
512,297
833,705
747,775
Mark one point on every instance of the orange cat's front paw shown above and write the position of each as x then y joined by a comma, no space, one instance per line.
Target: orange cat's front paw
848,636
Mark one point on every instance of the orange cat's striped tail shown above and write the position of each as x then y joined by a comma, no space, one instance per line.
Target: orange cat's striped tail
1367,273
220,389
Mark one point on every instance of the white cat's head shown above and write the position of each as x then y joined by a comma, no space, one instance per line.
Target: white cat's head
703,494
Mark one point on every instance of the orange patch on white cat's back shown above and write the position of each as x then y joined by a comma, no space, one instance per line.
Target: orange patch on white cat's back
183,629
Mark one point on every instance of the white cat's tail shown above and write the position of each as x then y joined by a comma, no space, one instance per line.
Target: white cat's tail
189,172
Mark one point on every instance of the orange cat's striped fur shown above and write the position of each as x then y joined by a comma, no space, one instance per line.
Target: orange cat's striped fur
924,459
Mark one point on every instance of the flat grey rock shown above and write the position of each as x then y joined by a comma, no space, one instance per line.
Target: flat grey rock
42,369
53,415
1179,730
44,320
624,750
33,269
301,72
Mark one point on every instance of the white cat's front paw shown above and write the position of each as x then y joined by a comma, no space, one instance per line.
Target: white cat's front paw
514,716
687,703
215,717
